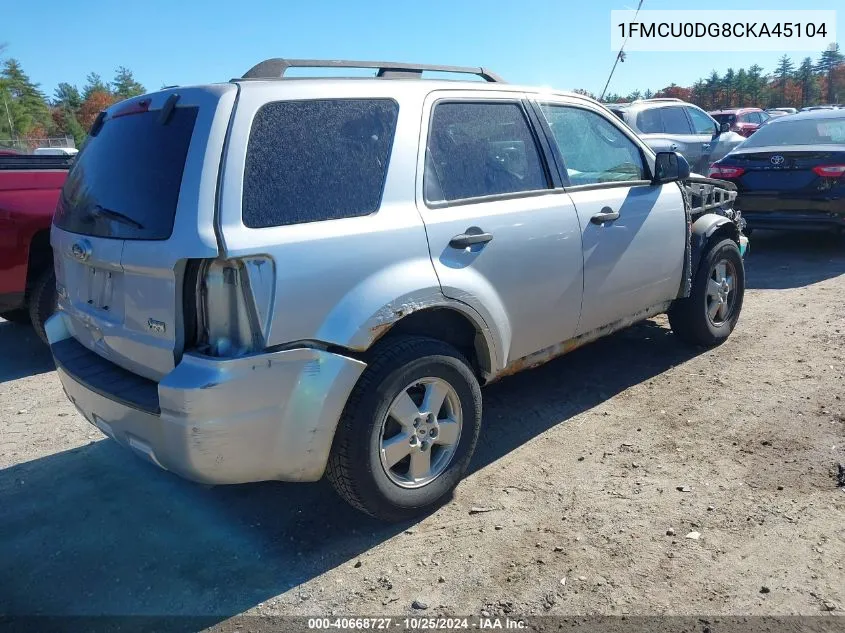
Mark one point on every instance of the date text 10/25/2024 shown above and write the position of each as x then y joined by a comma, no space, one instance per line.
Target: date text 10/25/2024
414,624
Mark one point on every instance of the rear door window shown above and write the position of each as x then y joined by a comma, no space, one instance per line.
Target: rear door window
125,182
480,149
675,121
650,121
309,161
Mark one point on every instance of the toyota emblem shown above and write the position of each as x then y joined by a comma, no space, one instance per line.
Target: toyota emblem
81,250
777,159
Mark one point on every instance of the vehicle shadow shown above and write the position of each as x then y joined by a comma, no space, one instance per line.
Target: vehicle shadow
23,353
95,531
790,259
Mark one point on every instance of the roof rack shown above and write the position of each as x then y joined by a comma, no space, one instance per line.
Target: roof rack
275,69
657,99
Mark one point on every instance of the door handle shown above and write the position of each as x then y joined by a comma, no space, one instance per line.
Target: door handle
473,235
605,215
706,147
673,147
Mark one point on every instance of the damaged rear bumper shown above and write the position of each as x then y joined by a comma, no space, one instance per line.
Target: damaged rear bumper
262,417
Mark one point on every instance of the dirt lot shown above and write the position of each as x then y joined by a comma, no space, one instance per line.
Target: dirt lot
585,463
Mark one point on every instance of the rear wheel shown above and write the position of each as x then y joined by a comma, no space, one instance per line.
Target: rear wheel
710,313
42,302
408,430
21,315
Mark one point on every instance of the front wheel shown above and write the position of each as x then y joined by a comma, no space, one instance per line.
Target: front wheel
710,313
408,431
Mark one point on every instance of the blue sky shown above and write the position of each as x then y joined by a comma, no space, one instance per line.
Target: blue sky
562,43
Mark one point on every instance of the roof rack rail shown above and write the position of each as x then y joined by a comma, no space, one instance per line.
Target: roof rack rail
275,69
655,99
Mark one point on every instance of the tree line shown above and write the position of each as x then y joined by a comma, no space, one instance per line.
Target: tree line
809,83
27,114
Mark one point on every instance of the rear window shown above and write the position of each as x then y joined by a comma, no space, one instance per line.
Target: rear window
125,182
826,131
309,161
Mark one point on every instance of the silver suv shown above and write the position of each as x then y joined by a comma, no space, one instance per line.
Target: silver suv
673,125
274,278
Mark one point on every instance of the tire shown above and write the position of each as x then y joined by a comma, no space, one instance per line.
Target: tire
691,318
42,302
357,465
21,315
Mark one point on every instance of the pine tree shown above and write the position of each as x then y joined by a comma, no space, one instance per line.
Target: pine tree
756,81
94,83
124,85
27,106
712,84
729,85
828,62
67,95
741,84
805,74
783,72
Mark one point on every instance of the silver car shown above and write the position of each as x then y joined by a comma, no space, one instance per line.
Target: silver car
673,125
274,279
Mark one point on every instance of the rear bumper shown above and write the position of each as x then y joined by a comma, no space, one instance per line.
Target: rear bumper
763,211
219,421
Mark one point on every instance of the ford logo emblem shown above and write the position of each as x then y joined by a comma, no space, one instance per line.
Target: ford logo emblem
81,250
777,159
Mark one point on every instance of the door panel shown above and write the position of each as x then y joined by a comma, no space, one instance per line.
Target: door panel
636,261
527,280
633,232
705,130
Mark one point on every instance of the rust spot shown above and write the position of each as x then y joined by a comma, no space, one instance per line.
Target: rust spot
559,349
380,330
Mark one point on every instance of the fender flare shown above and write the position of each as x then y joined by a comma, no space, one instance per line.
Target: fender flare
705,229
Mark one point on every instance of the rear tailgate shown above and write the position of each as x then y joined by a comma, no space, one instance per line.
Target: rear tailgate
137,206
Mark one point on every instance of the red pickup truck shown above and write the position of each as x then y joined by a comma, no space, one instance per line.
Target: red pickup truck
29,190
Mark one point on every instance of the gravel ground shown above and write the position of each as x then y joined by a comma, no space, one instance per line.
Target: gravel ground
634,476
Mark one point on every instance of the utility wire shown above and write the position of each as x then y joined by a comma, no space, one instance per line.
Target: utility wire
620,55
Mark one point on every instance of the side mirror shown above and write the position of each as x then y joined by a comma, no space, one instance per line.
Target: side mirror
724,127
669,167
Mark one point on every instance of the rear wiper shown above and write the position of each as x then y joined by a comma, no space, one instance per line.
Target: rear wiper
117,216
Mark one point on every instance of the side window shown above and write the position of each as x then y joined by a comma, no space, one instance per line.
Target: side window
701,123
650,121
480,149
675,121
764,116
593,149
755,117
317,160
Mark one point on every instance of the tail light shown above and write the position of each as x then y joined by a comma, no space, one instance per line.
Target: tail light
725,171
234,301
829,171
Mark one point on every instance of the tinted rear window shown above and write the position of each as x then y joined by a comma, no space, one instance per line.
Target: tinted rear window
125,182
821,131
317,160
649,122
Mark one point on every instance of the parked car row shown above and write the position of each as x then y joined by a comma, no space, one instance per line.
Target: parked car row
676,126
791,173
274,279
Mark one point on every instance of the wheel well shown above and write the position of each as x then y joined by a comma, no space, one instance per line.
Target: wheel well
40,257
449,326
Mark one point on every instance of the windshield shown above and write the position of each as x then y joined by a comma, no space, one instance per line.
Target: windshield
125,183
827,131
